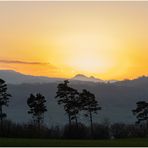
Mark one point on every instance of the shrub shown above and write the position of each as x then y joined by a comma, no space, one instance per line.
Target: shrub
74,132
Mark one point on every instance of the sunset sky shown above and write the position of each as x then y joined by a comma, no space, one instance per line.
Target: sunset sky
108,40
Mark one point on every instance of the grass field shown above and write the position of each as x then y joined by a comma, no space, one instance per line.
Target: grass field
67,143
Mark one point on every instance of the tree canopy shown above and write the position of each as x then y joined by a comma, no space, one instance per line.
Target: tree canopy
37,107
4,98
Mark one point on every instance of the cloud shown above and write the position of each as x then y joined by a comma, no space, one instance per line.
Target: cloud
25,62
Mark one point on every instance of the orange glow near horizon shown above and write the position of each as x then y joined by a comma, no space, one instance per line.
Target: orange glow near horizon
61,39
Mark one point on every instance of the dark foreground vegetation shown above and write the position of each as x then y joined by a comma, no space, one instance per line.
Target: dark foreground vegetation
75,104
104,130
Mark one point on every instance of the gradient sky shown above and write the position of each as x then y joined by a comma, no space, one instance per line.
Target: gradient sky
108,40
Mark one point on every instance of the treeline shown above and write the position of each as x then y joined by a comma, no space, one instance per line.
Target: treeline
104,130
75,104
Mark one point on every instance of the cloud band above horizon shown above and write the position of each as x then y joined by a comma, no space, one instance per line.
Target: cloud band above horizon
22,62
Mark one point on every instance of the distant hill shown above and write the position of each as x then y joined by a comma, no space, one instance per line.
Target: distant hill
138,82
81,77
14,77
116,99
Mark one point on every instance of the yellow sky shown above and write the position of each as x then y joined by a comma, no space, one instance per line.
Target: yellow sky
108,40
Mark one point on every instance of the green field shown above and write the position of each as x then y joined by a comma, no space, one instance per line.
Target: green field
67,143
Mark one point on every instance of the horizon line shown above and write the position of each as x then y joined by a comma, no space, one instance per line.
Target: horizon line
146,75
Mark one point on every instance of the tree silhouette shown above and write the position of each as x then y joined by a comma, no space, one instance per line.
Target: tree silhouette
63,97
4,98
90,105
69,98
141,112
73,104
37,107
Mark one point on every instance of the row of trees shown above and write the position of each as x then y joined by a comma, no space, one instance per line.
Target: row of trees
103,130
74,104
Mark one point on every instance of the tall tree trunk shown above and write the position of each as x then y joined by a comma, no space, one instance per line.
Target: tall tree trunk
1,114
39,126
1,119
147,123
39,122
69,117
91,123
69,120
76,120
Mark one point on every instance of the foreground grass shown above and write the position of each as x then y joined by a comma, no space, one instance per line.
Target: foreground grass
69,143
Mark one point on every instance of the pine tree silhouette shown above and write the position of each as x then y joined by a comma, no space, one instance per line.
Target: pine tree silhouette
141,112
90,105
69,97
4,100
37,107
